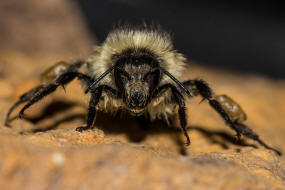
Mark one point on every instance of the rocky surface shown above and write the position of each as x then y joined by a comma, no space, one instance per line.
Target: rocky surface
45,152
48,27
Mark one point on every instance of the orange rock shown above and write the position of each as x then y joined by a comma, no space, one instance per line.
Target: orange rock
47,152
6,89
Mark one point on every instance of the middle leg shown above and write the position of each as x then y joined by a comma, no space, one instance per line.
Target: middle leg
47,89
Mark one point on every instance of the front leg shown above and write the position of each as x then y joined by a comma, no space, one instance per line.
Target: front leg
94,100
178,98
181,112
229,110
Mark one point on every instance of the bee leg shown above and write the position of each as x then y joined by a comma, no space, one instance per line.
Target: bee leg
44,92
47,89
94,100
240,128
23,98
224,106
182,108
181,112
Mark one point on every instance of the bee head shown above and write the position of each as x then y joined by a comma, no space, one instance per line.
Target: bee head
136,77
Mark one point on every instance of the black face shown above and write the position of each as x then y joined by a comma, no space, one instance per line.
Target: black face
136,77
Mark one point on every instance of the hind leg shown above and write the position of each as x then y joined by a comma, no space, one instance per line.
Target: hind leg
229,110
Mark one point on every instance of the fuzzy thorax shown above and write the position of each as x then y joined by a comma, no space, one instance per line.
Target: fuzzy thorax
154,40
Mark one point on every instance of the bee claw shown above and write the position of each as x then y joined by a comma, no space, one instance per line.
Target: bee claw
203,99
7,124
21,115
63,87
238,137
81,129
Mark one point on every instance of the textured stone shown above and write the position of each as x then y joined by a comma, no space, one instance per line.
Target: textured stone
43,27
45,151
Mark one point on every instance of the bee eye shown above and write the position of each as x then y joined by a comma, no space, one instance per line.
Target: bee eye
152,77
124,78
124,74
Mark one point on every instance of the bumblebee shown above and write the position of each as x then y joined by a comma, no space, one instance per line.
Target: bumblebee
137,70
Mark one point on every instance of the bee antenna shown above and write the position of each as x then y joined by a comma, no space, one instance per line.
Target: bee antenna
99,78
175,80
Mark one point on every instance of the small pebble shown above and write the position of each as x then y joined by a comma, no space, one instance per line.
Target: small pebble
58,158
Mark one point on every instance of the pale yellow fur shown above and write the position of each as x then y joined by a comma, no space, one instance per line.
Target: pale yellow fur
159,43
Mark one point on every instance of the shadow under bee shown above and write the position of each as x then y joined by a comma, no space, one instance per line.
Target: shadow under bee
130,126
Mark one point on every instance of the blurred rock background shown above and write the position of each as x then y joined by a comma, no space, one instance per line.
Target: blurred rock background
44,151
48,27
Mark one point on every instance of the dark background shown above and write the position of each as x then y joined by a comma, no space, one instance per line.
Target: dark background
245,36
